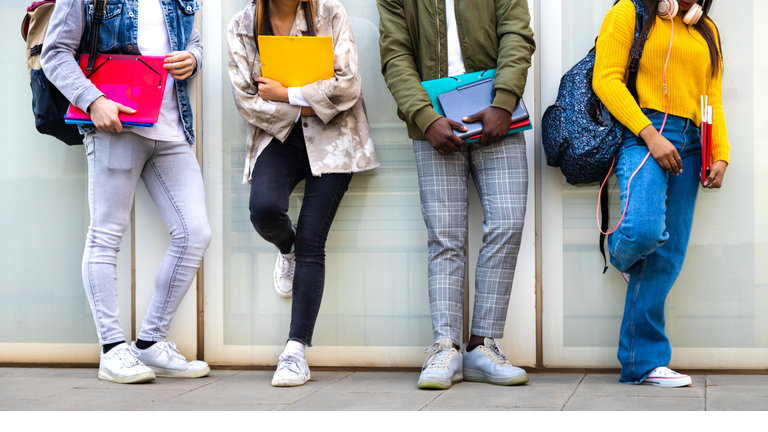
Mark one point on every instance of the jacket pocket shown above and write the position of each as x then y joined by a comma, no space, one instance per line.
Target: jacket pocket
110,26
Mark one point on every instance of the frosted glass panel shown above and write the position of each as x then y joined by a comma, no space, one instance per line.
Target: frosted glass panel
376,277
716,301
44,217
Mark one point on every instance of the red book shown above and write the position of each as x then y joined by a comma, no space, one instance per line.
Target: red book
710,127
704,149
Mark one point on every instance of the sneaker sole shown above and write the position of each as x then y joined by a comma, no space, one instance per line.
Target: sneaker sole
670,383
132,379
484,378
169,373
440,384
290,383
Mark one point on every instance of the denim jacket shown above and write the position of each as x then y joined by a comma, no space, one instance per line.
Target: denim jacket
69,31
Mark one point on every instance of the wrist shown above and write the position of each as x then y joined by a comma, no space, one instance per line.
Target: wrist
98,101
648,133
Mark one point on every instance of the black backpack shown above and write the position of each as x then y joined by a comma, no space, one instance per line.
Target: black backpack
48,104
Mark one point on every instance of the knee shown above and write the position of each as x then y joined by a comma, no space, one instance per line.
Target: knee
200,237
104,239
195,237
645,239
309,245
265,215
509,226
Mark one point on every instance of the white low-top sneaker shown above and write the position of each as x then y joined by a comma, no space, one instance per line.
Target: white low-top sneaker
443,366
666,377
292,370
122,365
283,275
488,364
166,361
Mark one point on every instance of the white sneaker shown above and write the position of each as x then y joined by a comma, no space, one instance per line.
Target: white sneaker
488,364
443,366
283,276
122,365
666,377
292,370
166,361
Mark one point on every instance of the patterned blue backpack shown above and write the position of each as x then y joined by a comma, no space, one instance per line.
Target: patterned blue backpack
578,133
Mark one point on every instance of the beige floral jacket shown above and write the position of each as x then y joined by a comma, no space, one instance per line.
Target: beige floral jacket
338,138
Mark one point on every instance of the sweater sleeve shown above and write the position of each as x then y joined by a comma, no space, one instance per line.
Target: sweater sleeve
614,44
721,147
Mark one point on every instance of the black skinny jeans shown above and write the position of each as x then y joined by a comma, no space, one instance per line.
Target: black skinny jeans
279,168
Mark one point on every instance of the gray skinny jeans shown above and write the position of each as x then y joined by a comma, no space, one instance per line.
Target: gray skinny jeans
172,176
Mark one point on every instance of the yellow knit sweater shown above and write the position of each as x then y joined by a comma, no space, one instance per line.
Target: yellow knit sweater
689,74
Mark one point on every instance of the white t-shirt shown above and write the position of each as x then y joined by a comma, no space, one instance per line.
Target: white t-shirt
455,60
154,40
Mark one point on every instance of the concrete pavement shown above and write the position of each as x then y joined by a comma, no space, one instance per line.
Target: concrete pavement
79,389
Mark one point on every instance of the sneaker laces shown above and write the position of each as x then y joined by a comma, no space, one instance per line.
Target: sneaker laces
171,349
291,362
286,267
665,371
497,355
438,357
129,356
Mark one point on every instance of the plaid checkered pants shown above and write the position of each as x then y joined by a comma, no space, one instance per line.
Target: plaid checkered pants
500,173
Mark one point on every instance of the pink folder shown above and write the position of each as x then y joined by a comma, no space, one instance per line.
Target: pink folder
137,82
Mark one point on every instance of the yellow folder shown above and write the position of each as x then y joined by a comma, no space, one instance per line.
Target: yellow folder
296,61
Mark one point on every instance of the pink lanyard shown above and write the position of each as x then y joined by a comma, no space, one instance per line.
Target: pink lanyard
664,123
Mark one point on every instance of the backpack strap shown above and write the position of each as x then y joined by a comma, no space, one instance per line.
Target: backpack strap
638,45
641,15
99,10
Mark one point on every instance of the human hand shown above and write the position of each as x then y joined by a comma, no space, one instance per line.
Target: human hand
105,115
307,111
662,150
440,135
180,64
496,123
271,90
716,174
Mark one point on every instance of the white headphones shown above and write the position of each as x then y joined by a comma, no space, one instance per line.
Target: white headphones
671,7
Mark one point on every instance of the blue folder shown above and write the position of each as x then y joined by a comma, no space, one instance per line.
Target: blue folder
90,123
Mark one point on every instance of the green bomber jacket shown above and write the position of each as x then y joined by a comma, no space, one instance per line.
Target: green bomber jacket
412,41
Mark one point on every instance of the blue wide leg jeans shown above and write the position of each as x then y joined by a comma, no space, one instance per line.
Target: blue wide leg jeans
651,243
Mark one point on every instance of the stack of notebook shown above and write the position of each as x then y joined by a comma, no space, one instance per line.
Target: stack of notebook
464,95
